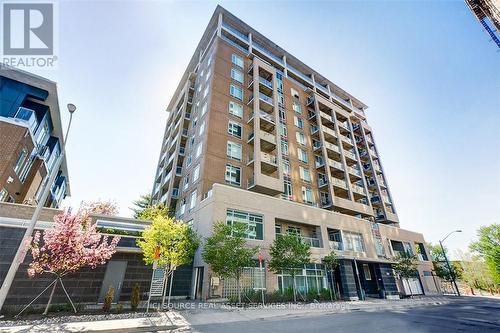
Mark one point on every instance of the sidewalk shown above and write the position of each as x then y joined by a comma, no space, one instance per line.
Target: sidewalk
170,321
218,313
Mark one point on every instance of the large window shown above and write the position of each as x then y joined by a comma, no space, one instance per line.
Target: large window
205,92
203,109
20,161
301,139
236,109
284,148
310,278
283,131
296,106
237,60
253,222
3,195
201,129
307,195
305,174
233,175
196,173
192,200
234,150
199,148
234,129
302,155
286,168
353,241
287,190
298,122
236,92
237,75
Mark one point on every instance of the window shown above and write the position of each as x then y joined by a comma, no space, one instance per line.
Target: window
196,173
205,92
324,198
199,148
233,175
209,61
353,241
305,174
301,139
195,121
302,154
43,133
286,168
236,92
204,109
234,129
253,222
307,195
283,131
237,60
202,73
237,75
20,161
298,122
236,109
234,150
318,160
293,230
277,229
199,87
316,144
296,107
26,169
287,190
186,183
208,74
284,148
4,195
192,200
189,160
366,272
202,128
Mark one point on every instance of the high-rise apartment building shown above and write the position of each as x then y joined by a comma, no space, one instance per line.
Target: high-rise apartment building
256,136
30,138
487,13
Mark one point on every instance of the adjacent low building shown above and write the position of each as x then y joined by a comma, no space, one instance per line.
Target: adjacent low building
30,138
255,135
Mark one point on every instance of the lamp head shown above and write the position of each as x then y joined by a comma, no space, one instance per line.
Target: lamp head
71,108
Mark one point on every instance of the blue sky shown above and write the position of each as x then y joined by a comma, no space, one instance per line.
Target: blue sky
426,69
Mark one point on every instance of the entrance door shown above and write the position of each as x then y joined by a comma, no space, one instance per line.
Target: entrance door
198,283
115,271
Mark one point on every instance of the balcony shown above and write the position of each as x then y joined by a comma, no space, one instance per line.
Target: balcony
323,89
268,159
335,164
350,155
339,183
344,125
235,32
377,168
267,141
325,116
267,54
358,189
164,197
28,117
175,193
338,246
300,74
354,171
328,131
332,147
322,182
266,83
386,199
346,139
313,242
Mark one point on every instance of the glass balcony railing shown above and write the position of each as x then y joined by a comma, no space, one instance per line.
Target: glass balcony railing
267,53
265,82
28,116
313,242
336,245
266,98
235,31
300,74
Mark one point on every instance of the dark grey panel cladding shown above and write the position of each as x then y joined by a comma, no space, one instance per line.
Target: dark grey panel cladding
348,277
83,286
388,280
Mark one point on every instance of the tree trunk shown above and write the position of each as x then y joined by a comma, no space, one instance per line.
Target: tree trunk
50,299
294,290
165,284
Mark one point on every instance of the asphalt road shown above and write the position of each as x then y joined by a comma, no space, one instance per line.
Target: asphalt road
464,314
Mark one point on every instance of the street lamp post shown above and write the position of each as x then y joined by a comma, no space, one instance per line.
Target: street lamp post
25,242
452,273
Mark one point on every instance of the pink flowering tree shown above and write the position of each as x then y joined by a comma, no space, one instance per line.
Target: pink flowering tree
70,245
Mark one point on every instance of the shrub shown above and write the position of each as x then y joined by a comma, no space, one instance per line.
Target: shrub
108,299
312,294
135,298
324,294
119,308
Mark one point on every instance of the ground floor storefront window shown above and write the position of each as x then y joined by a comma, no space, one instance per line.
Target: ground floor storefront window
310,278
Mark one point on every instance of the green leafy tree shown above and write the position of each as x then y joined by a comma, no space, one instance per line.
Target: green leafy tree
405,266
289,254
331,262
152,212
141,204
475,273
227,253
175,241
439,262
488,246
